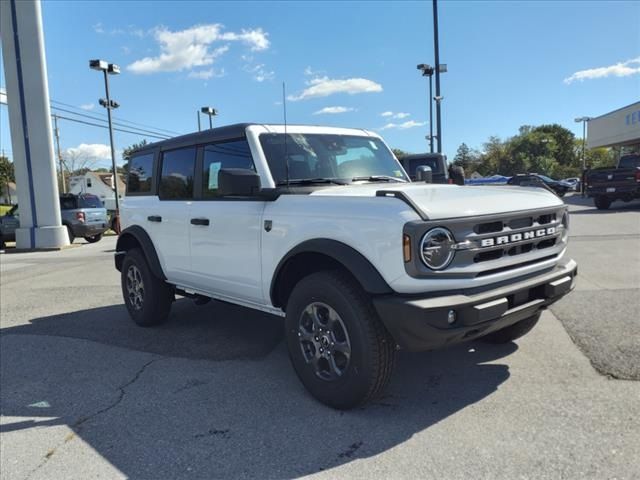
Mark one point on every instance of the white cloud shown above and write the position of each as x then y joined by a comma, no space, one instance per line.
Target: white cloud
98,151
3,96
260,72
325,86
207,74
193,47
98,28
399,115
87,106
333,110
621,69
403,126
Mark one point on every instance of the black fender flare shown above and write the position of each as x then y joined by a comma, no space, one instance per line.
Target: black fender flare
356,263
136,235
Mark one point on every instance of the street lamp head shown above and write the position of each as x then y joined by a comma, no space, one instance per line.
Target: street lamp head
113,69
209,111
442,68
98,65
582,119
427,70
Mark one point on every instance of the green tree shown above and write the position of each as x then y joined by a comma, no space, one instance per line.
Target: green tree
466,158
399,153
7,173
126,155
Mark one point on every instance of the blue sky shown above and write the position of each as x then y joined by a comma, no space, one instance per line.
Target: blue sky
510,63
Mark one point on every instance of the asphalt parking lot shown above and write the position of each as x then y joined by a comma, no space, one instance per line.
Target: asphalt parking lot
86,394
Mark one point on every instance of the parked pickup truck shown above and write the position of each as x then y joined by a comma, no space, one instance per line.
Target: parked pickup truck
83,215
322,226
606,185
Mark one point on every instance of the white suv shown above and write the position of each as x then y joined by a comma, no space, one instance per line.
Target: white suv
323,227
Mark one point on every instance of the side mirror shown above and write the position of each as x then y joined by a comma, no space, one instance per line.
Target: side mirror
456,173
238,182
424,174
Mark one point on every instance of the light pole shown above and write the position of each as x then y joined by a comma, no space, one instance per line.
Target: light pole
436,49
427,71
584,121
212,112
198,113
110,69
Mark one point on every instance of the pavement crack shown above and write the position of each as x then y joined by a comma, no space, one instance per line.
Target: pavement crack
122,394
77,425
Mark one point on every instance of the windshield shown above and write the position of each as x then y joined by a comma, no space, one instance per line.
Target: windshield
343,158
545,178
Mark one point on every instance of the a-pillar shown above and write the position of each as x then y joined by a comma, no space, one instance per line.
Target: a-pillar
25,74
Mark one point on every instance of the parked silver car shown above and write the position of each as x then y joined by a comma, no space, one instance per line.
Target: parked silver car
83,215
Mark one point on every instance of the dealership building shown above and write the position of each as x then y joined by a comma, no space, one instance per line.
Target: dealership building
620,128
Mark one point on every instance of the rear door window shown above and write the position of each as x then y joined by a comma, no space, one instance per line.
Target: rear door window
176,180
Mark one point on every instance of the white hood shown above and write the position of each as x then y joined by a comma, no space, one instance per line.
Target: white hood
451,201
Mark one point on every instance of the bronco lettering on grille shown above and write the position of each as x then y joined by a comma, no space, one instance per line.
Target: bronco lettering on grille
518,237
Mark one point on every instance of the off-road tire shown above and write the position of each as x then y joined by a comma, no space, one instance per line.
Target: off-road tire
94,238
155,305
512,332
71,235
602,203
372,349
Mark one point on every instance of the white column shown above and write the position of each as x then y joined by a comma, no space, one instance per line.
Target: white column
25,74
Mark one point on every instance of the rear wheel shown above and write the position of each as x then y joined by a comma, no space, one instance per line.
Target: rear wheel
147,297
512,332
93,238
338,346
602,203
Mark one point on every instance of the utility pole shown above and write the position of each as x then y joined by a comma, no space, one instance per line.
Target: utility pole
437,68
56,131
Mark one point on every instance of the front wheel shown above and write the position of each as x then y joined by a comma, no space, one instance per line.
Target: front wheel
70,234
93,238
512,332
338,346
147,297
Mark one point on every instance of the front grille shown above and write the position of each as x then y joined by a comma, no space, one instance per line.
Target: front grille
495,243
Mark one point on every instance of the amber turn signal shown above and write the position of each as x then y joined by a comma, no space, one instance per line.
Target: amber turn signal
406,248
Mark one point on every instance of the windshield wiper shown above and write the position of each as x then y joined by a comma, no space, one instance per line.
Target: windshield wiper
378,178
311,181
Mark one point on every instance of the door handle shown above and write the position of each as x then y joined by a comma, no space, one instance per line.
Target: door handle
154,218
200,221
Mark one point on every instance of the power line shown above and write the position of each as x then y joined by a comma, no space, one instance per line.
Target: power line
93,117
122,120
105,126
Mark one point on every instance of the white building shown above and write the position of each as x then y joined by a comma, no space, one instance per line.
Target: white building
620,128
98,184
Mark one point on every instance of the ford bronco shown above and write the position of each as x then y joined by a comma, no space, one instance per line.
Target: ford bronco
323,227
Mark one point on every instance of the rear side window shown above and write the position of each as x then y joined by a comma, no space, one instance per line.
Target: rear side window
234,154
68,203
140,174
176,180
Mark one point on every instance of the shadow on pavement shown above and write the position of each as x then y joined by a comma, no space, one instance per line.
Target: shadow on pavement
164,417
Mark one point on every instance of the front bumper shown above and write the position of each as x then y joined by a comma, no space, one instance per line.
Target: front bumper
421,322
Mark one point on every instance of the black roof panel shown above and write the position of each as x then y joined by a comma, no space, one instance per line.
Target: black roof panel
226,132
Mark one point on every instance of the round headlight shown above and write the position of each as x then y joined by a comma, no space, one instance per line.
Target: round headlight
436,248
